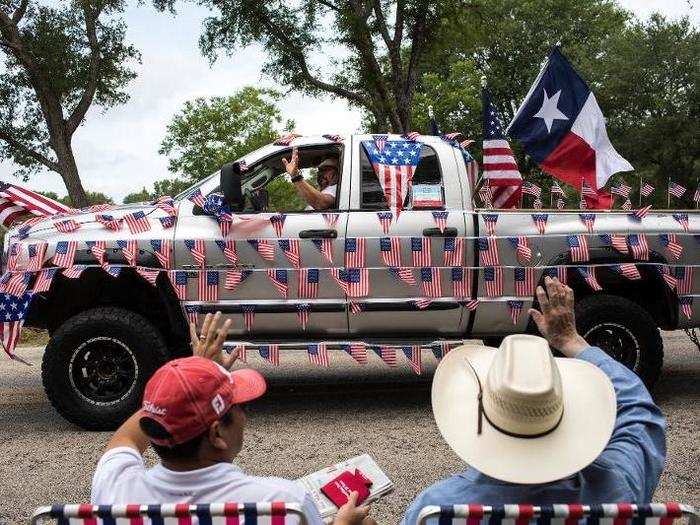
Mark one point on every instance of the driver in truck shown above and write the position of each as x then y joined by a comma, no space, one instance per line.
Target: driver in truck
317,199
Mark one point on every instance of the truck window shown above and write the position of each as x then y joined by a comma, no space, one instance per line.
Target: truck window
427,176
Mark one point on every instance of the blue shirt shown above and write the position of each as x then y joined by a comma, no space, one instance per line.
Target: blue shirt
627,470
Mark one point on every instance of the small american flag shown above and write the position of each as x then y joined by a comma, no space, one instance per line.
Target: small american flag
225,222
521,247
14,310
540,220
130,250
228,248
162,249
66,226
627,270
112,271
331,219
587,190
684,279
248,316
430,282
471,304
588,220
318,354
682,219
358,351
270,353
234,278
357,308
43,280
617,241
64,254
137,222
208,286
355,252
440,218
560,204
290,249
537,204
303,314
264,247
280,280
578,247
390,249
413,354
380,142
488,251
461,282
556,189
286,140
179,282
325,246
686,304
665,273
638,246
357,280
530,188
98,250
277,222
15,252
165,203
197,198
36,254
198,250
490,220
420,251
588,274
452,251
386,353
308,283
641,212
241,349
412,136
333,138
18,283
670,241
192,310
150,274
486,195
440,349
404,274
493,281
647,189
621,189
524,281
627,205
515,308
74,272
340,277
422,303
385,218
167,222
696,195
676,189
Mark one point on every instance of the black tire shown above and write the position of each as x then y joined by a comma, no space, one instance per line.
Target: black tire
625,330
97,363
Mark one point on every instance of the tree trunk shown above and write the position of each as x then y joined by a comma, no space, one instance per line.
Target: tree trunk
69,172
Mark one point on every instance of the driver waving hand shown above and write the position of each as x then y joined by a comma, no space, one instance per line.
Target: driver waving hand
324,198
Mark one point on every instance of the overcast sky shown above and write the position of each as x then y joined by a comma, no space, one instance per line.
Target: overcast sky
117,150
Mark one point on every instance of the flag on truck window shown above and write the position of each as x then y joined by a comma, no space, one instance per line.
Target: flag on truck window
578,247
488,251
524,281
522,248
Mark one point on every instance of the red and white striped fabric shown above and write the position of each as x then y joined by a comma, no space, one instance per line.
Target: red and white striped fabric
264,247
502,172
18,203
280,280
290,249
493,281
137,222
248,316
150,274
36,253
98,250
18,283
228,248
43,280
461,282
318,354
358,351
64,254
234,278
453,251
109,222
198,250
524,281
515,308
74,272
387,354
627,270
66,226
674,248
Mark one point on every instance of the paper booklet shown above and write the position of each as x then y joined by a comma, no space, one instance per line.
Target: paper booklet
312,483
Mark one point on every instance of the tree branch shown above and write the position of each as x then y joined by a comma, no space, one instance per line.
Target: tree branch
19,12
398,24
26,150
394,50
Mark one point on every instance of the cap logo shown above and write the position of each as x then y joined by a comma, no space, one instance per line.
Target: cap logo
149,407
218,404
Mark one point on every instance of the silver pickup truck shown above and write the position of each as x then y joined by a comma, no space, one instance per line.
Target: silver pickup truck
353,278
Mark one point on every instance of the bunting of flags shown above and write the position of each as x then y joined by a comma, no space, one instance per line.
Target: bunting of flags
234,278
358,351
228,248
308,283
303,312
452,251
670,242
588,274
684,279
277,222
137,222
130,250
515,308
440,218
290,249
390,251
355,252
414,355
280,280
270,353
578,247
540,220
198,250
64,254
490,220
325,246
264,247
686,305
524,279
430,282
179,281
488,251
682,219
588,220
522,248
617,241
627,270
385,218
421,251
641,212
318,354
638,245
461,282
162,249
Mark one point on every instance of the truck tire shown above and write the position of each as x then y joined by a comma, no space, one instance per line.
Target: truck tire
96,365
625,331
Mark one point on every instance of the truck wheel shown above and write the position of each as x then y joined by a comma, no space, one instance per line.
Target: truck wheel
625,331
96,365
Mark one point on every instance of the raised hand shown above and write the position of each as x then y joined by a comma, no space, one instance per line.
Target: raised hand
210,342
292,165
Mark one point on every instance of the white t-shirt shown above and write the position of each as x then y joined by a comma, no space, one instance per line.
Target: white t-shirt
121,477
328,190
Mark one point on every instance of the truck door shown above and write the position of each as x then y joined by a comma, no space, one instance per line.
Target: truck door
426,241
273,269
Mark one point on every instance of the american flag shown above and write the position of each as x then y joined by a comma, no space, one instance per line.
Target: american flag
696,195
413,354
197,198
524,281
331,219
108,221
676,189
390,249
394,168
18,203
621,189
198,250
488,251
74,272
228,248
358,351
588,220
64,254
277,222
12,313
98,250
36,254
556,189
167,222
521,247
530,188
499,165
14,254
588,274
338,139
353,281
537,204
208,286
617,241
578,247
641,212
486,195
325,246
380,142
167,204
162,249
540,220
490,220
430,282
264,247
386,353
420,251
318,354
560,204
638,246
286,140
670,241
440,218
280,280
66,226
191,310
461,282
686,304
179,281
404,274
682,219
248,316
627,205
18,283
471,304
150,274
112,271
647,189
130,250
684,279
452,251
225,222
627,270
290,249
493,281
234,278
440,349
242,350
665,272
515,308
355,252
270,353
385,218
137,222
303,314
308,283
412,136
586,191
43,280
357,308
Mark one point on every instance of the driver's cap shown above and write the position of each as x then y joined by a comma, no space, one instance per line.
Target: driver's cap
331,162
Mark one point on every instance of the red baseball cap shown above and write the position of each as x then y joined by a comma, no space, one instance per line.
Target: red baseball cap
187,395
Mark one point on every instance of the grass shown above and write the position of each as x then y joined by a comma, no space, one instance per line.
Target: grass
32,337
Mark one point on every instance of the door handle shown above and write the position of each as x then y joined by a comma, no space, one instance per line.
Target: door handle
435,232
318,234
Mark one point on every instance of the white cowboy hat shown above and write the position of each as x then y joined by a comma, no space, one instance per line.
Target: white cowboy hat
542,418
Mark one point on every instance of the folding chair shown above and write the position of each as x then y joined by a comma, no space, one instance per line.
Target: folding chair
272,513
573,514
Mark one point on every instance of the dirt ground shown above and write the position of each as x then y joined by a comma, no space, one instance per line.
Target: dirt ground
310,419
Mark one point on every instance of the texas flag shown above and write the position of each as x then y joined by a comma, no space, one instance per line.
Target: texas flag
562,128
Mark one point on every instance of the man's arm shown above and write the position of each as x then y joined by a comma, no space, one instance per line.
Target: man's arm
129,434
313,197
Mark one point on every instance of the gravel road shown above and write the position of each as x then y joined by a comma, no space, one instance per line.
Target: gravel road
310,419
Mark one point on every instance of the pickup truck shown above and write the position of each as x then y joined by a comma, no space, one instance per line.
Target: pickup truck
354,277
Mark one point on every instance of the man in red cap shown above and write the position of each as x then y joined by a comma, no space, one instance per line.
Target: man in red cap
192,416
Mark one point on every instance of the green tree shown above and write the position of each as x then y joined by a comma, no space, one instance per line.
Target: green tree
139,196
92,197
57,61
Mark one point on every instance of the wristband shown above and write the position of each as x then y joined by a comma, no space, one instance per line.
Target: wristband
297,178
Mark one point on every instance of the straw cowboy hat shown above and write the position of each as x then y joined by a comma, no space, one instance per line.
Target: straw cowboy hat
520,415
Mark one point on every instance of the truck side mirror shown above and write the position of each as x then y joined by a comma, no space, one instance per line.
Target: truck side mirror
230,183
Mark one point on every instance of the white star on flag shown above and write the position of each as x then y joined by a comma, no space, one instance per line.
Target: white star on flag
549,112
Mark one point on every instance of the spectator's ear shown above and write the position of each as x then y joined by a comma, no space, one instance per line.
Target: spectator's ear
217,436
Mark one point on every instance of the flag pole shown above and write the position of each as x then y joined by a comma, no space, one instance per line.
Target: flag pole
640,191
668,194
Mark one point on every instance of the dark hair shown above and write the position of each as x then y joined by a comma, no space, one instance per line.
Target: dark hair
187,450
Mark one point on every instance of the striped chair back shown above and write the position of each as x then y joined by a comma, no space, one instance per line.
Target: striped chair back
274,513
573,514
